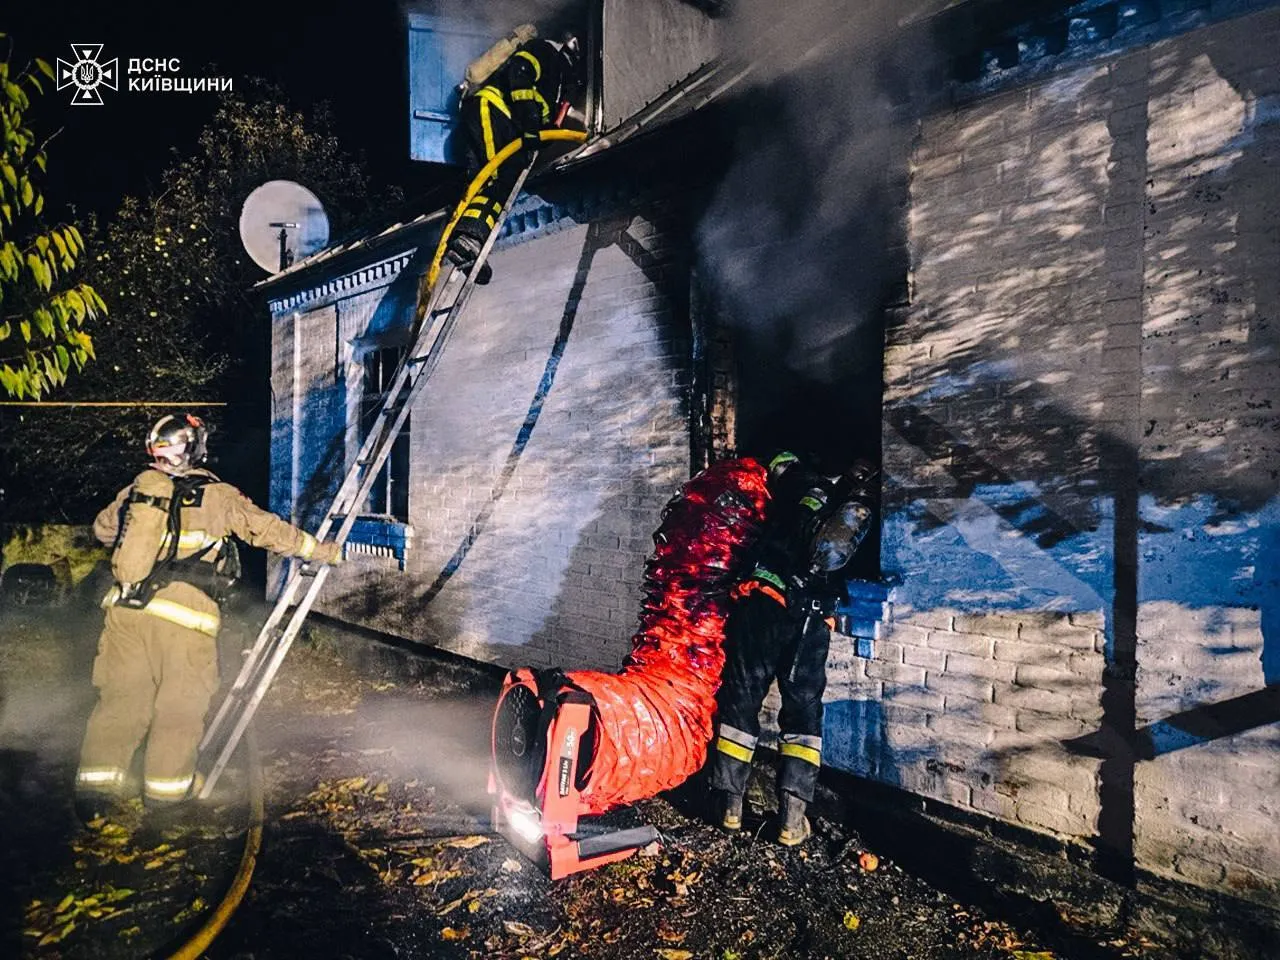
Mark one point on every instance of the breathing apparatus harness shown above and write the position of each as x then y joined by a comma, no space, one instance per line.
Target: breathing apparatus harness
835,519
215,576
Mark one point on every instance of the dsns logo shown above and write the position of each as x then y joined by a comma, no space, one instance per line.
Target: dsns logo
88,73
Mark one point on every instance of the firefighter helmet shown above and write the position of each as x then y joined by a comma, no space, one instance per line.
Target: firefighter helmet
572,66
780,463
178,441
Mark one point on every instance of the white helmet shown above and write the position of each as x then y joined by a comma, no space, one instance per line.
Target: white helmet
178,441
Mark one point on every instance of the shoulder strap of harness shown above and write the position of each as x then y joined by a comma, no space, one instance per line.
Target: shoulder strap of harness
185,490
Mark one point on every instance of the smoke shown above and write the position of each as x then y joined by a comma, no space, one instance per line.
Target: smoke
442,742
501,16
804,237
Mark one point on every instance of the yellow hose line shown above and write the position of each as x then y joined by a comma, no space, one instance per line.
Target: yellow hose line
477,184
199,943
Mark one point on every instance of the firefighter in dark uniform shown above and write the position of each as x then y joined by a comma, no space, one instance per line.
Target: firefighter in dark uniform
518,100
780,628
172,560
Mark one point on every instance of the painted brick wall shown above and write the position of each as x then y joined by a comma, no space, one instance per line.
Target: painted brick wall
1081,448
542,450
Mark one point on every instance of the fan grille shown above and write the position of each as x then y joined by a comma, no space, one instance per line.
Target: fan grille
518,748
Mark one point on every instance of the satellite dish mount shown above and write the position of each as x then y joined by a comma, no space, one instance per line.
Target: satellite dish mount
286,255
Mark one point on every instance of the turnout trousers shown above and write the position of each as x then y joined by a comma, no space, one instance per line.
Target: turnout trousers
488,128
155,679
764,641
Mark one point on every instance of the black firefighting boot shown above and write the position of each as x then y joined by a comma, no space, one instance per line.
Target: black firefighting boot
463,251
730,811
793,828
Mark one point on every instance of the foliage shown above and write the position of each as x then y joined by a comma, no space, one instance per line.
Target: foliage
186,324
42,309
174,265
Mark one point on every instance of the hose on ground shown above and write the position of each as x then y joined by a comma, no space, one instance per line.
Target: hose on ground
221,914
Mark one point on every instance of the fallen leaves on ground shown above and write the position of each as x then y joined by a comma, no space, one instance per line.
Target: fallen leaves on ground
851,920
166,858
198,905
468,843
668,954
50,923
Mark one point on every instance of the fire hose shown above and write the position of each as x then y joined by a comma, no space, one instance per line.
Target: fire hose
221,915
477,184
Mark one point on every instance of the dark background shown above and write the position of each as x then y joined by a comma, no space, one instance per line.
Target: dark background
347,53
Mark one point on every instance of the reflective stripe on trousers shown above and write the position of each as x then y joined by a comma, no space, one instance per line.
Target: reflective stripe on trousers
802,747
198,620
736,743
100,779
167,788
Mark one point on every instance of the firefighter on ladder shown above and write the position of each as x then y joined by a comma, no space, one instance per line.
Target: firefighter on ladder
518,88
780,628
173,561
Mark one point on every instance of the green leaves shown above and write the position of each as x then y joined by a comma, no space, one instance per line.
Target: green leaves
41,336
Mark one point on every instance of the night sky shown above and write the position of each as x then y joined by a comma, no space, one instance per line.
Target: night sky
350,54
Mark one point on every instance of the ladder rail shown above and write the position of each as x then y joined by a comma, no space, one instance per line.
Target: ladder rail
271,648
343,504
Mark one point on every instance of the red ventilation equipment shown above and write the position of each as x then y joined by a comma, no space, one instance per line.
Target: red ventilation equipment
646,728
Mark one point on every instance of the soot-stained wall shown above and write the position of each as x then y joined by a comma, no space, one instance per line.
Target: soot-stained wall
541,451
1081,450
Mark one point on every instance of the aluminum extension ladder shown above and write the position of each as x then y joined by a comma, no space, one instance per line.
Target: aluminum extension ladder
435,324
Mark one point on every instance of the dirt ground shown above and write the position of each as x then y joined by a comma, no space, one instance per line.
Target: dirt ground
377,845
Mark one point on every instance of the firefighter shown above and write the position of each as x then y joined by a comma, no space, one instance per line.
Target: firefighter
780,628
517,100
173,561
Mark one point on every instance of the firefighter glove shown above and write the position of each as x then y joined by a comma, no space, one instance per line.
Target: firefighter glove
328,551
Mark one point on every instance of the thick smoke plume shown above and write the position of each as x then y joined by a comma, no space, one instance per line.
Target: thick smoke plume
804,236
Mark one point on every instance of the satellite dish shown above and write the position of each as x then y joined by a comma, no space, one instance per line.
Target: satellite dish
280,223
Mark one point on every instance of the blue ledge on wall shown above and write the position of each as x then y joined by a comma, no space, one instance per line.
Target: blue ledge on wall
861,612
380,537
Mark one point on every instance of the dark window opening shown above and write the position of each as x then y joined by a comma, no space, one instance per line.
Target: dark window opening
389,496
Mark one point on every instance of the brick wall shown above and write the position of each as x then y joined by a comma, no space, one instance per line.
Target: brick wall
542,450
1081,461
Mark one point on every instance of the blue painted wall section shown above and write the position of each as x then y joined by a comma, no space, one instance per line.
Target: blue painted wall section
379,537
860,613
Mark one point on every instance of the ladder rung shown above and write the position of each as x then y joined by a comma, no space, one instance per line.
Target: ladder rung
287,616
